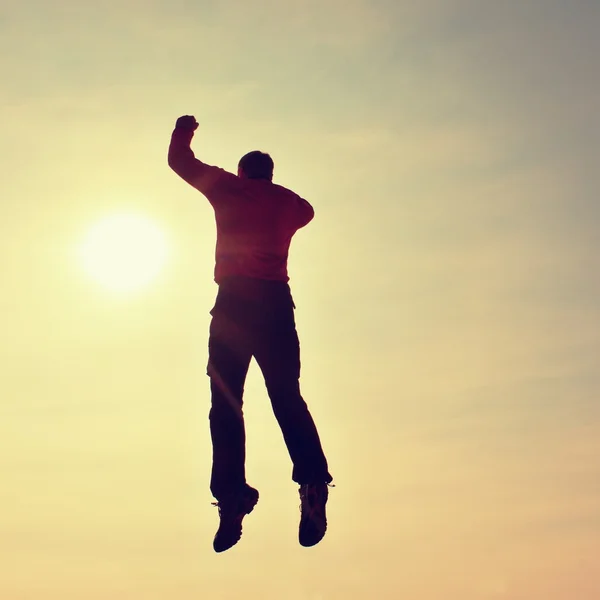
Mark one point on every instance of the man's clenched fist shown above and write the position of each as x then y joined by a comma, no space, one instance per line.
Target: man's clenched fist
187,122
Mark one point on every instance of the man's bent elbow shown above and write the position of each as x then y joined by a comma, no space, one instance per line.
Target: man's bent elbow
177,163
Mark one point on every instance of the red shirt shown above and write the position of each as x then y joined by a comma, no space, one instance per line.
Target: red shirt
256,219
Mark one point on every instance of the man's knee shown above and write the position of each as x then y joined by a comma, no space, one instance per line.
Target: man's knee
283,384
226,398
286,399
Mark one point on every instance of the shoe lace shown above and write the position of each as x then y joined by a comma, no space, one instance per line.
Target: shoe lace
308,497
225,508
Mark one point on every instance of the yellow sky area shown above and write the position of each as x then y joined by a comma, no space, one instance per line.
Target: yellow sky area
446,299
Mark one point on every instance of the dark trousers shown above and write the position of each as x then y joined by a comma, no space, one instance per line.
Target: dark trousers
255,318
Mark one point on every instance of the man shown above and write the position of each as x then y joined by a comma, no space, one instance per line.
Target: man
253,316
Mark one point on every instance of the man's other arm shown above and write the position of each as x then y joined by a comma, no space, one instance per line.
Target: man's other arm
306,212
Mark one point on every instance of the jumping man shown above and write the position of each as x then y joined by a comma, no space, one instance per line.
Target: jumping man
253,316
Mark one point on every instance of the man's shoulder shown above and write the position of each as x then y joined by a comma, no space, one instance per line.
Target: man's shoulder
284,191
217,178
220,173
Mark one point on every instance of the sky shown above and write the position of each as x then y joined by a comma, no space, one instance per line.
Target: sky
448,303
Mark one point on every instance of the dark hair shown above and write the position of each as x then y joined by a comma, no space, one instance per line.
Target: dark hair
257,165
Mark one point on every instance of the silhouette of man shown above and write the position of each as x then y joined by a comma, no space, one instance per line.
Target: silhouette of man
253,316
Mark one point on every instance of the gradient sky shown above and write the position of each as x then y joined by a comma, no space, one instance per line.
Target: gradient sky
447,293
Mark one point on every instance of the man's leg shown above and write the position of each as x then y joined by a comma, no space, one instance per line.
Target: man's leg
278,355
228,362
277,352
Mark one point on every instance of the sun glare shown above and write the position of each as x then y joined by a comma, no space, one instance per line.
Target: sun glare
124,252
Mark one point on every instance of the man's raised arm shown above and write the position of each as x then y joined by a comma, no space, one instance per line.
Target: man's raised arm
182,160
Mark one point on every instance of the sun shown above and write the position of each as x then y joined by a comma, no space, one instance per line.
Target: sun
124,252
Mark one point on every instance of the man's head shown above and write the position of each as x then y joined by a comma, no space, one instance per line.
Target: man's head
256,165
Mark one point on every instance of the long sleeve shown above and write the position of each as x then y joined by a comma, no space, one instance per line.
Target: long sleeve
182,160
306,213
